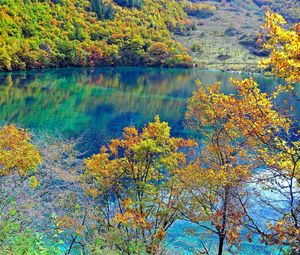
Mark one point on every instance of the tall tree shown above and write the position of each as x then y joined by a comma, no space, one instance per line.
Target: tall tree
137,174
232,130
217,181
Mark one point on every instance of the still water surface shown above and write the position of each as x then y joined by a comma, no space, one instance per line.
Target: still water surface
96,104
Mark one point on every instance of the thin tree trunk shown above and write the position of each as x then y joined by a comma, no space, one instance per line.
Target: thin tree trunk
221,244
224,221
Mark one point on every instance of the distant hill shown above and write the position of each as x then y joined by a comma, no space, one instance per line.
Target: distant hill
58,33
226,39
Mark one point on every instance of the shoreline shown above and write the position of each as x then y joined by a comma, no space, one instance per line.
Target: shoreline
194,67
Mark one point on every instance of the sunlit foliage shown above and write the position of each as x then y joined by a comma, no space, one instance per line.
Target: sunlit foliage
125,198
233,130
284,45
17,154
138,172
200,10
40,34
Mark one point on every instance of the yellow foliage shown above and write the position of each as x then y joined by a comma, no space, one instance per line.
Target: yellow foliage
284,45
17,153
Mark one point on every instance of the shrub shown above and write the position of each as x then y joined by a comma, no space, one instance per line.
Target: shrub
200,10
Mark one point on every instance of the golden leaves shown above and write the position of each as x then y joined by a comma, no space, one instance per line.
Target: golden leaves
235,131
285,230
284,46
70,224
133,218
17,153
33,182
138,155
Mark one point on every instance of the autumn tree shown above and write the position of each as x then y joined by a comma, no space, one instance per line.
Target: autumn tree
284,47
232,129
275,147
19,160
280,160
67,33
217,180
136,176
199,10
17,154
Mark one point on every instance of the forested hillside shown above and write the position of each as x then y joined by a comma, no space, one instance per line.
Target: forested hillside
210,34
41,34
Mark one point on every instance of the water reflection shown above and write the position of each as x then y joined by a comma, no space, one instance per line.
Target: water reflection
99,102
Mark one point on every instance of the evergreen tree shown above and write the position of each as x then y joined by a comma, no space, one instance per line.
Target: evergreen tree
130,3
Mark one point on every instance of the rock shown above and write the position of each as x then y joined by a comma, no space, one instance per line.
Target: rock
231,32
223,57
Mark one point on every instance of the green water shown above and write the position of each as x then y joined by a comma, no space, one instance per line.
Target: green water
96,104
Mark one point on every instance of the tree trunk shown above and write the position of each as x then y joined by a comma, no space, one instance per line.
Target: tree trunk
222,233
221,244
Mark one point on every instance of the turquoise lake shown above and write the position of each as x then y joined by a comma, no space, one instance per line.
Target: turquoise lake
95,104
98,103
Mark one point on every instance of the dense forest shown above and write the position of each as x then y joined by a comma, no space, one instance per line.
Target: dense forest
61,33
124,198
41,34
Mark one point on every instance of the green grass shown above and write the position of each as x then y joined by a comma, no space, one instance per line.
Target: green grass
220,35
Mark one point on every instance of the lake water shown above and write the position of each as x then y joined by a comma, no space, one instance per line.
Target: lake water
96,104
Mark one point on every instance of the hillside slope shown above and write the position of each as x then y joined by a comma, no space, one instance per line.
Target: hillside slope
226,39
57,33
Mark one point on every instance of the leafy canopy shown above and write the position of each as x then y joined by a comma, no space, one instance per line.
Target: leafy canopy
284,45
17,153
140,172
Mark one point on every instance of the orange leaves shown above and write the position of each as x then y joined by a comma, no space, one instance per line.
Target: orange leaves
130,137
70,224
133,218
284,46
230,123
233,236
233,129
158,49
17,153
285,232
140,171
102,169
215,177
208,107
256,115
240,133
138,156
53,22
119,38
95,55
181,143
75,31
114,146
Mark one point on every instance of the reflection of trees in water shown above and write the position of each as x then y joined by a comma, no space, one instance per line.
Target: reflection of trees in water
78,99
104,99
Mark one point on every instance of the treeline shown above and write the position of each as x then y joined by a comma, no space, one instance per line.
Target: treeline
125,198
42,34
